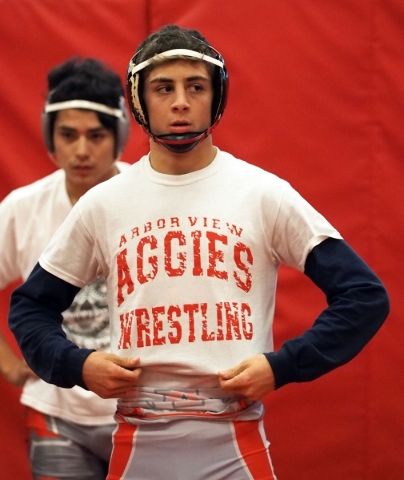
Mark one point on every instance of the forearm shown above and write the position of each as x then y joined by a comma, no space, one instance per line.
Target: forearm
8,359
358,304
35,318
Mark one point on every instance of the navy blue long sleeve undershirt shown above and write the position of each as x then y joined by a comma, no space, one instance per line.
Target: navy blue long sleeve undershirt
35,318
357,306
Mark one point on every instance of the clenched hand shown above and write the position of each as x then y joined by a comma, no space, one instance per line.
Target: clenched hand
252,378
110,376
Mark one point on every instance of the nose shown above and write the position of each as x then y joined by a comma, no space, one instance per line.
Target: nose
180,100
82,147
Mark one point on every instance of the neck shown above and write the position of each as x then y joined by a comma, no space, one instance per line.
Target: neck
165,161
75,191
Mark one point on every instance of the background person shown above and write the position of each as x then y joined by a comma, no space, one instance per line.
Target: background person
85,127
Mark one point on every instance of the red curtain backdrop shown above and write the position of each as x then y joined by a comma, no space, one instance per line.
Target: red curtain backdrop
316,97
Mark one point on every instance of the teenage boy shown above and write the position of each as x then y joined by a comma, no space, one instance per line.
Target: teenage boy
190,240
85,126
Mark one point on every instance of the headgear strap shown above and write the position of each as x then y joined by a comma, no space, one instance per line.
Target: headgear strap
98,107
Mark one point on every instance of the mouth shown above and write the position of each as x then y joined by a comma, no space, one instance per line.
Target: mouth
180,127
82,168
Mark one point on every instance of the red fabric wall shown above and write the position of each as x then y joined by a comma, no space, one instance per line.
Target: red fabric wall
317,97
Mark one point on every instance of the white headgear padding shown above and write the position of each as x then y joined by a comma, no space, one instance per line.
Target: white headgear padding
121,113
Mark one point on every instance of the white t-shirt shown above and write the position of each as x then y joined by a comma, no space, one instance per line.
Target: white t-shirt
191,263
29,216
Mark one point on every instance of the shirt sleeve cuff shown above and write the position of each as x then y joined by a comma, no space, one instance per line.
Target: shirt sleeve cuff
283,367
74,359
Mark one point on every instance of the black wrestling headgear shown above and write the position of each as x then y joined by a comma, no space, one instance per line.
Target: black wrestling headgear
183,142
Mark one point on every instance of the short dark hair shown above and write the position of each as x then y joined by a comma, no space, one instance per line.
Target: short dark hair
85,79
171,37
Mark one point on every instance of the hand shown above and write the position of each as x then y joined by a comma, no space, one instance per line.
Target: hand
19,373
14,370
252,378
110,376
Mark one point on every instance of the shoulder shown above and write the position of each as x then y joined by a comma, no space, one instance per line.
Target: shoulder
37,189
245,173
240,165
122,166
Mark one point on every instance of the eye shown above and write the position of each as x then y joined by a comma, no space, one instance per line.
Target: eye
97,136
196,87
67,135
164,89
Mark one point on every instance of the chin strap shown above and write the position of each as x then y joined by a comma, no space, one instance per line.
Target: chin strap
183,142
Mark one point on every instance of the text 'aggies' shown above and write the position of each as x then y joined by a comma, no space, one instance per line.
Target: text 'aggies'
200,236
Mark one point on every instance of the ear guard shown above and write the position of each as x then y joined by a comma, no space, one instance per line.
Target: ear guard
121,113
